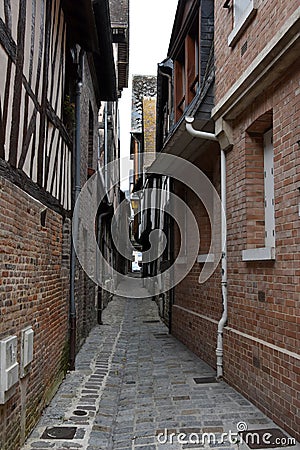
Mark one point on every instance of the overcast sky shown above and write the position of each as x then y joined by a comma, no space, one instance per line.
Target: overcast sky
150,31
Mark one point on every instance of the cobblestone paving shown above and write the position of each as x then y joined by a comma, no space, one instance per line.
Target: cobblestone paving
133,381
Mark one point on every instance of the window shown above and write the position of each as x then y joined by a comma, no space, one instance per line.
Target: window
239,9
260,197
243,12
186,68
179,84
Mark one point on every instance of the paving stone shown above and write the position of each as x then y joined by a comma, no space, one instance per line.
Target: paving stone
136,381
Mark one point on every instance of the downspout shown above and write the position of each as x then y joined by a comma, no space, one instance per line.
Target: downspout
77,185
223,320
105,146
99,295
169,77
172,252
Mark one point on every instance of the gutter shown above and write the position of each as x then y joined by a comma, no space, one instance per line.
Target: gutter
77,188
223,320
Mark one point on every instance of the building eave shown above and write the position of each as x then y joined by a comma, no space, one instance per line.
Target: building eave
104,58
81,22
179,142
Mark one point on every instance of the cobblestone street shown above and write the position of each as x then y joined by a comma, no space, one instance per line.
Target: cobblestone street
132,381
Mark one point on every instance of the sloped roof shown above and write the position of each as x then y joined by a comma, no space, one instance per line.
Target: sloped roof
104,59
119,17
90,27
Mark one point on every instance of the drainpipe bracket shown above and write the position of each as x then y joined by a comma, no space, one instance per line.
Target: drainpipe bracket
224,134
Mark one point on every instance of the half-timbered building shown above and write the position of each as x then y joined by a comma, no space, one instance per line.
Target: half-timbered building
56,63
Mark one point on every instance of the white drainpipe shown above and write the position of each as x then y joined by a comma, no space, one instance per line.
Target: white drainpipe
222,322
198,133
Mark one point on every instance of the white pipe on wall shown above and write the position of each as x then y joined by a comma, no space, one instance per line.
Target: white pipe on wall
222,323
198,133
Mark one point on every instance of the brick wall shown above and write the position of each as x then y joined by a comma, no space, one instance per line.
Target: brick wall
198,307
34,292
231,62
264,296
261,341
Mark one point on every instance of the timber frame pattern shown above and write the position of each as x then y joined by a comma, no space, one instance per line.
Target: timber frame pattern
35,148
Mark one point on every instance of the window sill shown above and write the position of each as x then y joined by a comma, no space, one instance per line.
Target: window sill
242,24
259,254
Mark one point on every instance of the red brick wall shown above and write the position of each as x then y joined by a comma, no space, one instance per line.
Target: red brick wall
230,64
198,307
34,291
261,341
263,297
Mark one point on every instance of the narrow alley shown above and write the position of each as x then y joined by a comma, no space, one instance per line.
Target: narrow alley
134,388
149,224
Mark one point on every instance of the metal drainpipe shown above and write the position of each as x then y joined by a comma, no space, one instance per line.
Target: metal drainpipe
172,251
105,146
223,320
99,296
77,185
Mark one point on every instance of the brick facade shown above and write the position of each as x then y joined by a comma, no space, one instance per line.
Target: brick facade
264,296
256,91
197,308
34,291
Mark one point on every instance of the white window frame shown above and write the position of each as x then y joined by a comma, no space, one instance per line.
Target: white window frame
268,251
242,21
269,189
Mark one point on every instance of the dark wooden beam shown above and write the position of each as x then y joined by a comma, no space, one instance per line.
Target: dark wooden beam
27,138
7,13
31,94
57,122
7,41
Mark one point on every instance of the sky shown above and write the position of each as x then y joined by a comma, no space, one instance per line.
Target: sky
150,31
